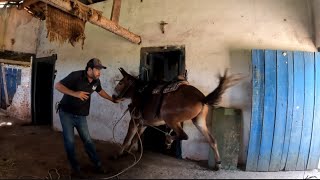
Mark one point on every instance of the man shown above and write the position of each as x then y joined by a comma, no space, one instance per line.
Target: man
74,107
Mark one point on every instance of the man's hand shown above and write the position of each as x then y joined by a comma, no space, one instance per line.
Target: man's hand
81,95
105,95
78,94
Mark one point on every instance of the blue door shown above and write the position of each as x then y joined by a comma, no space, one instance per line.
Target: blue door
12,80
285,122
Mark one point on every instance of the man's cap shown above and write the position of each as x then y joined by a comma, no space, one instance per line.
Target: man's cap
95,63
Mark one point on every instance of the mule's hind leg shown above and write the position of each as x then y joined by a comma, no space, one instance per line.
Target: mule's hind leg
200,122
176,127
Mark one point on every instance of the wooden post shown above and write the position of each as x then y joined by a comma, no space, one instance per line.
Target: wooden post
115,14
4,84
97,20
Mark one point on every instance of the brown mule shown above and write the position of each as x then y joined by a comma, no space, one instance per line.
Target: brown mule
186,103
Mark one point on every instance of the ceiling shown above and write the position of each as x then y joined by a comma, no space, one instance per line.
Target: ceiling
10,3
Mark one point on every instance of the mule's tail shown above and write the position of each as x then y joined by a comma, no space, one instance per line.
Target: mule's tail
214,97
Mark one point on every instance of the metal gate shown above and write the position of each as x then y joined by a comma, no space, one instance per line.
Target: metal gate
285,121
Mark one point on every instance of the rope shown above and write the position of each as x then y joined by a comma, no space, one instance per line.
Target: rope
48,177
135,161
141,146
166,133
49,174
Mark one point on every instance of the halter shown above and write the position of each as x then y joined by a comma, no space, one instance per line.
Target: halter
126,89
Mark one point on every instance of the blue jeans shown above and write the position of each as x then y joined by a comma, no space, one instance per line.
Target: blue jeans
69,122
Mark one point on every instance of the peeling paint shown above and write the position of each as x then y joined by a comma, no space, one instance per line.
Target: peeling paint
214,30
20,107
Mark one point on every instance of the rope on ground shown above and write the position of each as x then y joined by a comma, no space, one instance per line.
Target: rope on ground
114,139
141,145
135,159
124,170
28,177
49,176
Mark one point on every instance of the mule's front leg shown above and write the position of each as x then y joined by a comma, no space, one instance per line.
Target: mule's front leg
132,129
137,136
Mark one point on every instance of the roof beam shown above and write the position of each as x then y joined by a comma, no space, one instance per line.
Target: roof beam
26,3
115,14
98,20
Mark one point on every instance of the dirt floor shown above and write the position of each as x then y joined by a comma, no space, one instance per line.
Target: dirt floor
30,152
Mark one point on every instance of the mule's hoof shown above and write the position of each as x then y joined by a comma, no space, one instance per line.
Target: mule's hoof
218,166
168,146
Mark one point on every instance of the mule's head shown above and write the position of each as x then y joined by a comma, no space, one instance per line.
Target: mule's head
125,87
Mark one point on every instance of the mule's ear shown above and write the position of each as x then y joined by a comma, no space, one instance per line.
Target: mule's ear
123,72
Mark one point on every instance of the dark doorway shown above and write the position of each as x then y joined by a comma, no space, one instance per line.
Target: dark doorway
161,64
43,70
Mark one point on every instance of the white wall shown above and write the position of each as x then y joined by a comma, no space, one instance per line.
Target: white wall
211,30
18,31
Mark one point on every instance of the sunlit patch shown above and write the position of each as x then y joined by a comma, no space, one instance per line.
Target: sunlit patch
6,124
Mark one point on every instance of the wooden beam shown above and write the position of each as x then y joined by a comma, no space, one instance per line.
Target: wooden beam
26,3
98,20
13,62
115,14
5,84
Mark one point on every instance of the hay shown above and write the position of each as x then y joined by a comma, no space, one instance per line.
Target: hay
64,27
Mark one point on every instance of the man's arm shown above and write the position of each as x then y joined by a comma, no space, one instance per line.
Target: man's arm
78,94
105,95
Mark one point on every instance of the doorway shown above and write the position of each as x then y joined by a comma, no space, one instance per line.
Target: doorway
161,64
43,71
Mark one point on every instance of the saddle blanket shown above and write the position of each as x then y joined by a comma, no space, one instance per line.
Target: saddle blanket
169,88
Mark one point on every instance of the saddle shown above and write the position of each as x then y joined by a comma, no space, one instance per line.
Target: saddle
159,90
168,87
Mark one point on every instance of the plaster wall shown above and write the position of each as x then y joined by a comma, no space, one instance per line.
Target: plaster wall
216,34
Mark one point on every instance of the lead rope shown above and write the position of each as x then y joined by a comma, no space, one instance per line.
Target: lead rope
135,159
141,146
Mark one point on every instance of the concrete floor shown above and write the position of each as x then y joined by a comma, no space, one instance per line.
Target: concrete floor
157,166
19,160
